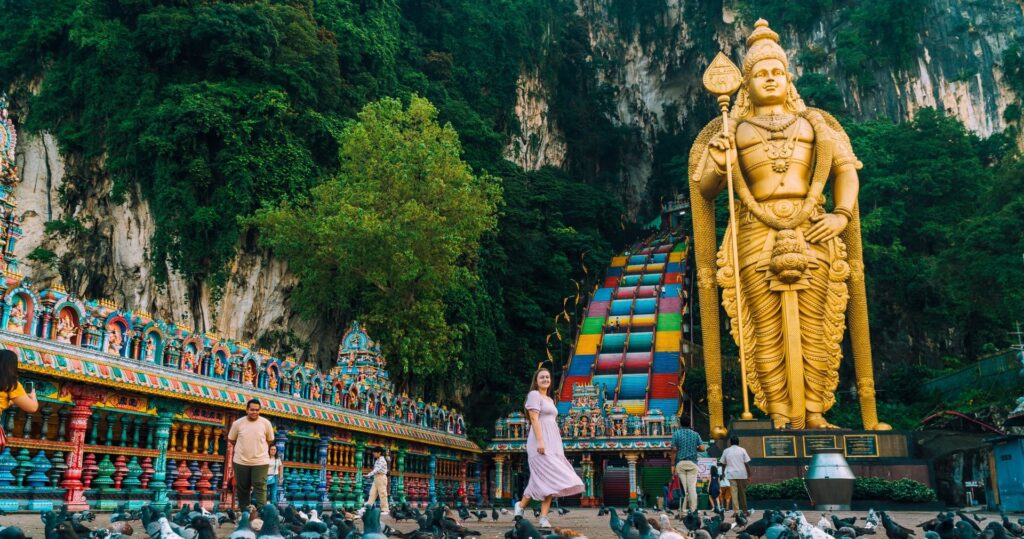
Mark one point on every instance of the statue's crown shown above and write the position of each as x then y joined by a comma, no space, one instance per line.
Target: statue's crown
763,44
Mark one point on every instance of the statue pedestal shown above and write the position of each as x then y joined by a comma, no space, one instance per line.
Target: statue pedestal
777,455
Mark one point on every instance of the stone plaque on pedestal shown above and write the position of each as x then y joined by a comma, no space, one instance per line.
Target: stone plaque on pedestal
779,447
861,445
814,442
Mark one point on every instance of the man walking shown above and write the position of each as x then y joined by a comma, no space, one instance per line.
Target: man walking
687,444
380,482
252,436
737,470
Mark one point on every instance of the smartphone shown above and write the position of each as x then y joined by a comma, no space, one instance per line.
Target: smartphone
29,386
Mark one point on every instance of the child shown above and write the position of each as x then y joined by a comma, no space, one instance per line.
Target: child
715,490
726,496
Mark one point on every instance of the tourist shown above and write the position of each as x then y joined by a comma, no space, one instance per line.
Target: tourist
687,444
380,483
252,436
11,390
551,474
715,490
737,470
275,474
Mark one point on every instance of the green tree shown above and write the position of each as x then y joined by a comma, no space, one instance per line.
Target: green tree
396,230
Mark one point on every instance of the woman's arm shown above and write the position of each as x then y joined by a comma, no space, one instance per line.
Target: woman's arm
27,402
535,421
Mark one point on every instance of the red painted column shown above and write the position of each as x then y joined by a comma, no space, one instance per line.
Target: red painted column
74,490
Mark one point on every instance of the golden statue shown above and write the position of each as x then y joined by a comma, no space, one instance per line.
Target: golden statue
801,271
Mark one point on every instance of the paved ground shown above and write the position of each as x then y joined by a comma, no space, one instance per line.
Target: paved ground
585,521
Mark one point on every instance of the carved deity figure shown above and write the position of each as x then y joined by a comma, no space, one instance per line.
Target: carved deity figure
218,366
272,380
114,341
248,375
150,348
796,258
16,320
188,361
314,392
66,328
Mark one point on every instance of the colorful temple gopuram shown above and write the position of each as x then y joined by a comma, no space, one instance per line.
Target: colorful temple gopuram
136,410
620,392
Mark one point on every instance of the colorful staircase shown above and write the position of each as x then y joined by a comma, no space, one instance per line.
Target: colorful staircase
630,339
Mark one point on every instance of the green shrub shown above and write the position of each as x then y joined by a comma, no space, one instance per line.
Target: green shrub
864,488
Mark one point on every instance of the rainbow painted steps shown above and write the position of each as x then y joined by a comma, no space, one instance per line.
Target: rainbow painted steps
630,340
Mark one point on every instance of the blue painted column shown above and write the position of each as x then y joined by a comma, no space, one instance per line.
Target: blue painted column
433,477
322,488
280,441
400,479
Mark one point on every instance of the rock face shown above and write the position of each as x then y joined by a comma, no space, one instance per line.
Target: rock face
109,260
652,65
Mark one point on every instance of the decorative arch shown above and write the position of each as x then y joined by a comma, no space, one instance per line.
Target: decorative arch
116,335
67,323
20,310
151,348
219,362
191,352
251,371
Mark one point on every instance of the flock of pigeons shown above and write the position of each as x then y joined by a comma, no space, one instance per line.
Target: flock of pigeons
441,522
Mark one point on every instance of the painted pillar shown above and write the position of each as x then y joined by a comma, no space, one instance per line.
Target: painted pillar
360,450
499,468
74,490
322,488
158,484
588,476
631,459
464,469
433,477
280,441
400,479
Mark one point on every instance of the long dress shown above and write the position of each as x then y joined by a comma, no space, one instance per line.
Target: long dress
551,474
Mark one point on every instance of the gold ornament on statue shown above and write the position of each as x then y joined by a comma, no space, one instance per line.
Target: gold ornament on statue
791,272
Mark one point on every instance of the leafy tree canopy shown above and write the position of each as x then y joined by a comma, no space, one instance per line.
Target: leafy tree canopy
396,230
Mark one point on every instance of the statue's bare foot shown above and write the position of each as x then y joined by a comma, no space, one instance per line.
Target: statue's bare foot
817,421
779,421
879,426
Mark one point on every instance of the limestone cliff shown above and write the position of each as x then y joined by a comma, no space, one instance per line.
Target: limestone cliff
108,259
655,61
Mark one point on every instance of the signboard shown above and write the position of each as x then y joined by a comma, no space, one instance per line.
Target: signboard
861,445
704,465
779,447
819,441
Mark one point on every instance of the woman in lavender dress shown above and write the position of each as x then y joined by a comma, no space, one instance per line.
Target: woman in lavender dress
551,474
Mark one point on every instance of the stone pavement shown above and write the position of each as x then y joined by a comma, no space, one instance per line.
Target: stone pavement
582,520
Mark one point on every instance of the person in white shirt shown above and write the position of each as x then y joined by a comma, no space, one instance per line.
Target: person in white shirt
736,462
380,482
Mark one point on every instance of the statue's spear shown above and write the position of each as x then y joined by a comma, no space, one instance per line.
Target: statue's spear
722,78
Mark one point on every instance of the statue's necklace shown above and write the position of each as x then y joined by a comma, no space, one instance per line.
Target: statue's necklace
778,147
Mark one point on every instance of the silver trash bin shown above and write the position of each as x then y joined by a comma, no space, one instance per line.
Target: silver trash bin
829,481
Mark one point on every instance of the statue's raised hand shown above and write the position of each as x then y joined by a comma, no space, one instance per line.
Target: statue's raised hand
826,226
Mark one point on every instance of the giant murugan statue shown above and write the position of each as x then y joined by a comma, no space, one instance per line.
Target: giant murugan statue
801,275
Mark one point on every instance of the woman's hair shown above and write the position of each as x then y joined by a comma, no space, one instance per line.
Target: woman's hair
274,447
714,471
8,370
533,385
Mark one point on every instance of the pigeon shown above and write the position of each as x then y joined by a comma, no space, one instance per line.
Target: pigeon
271,527
892,529
1012,527
563,511
480,515
963,516
825,524
965,531
243,531
494,514
165,530
371,524
204,527
64,530
524,529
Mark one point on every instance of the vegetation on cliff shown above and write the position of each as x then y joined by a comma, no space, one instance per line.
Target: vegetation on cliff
219,111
